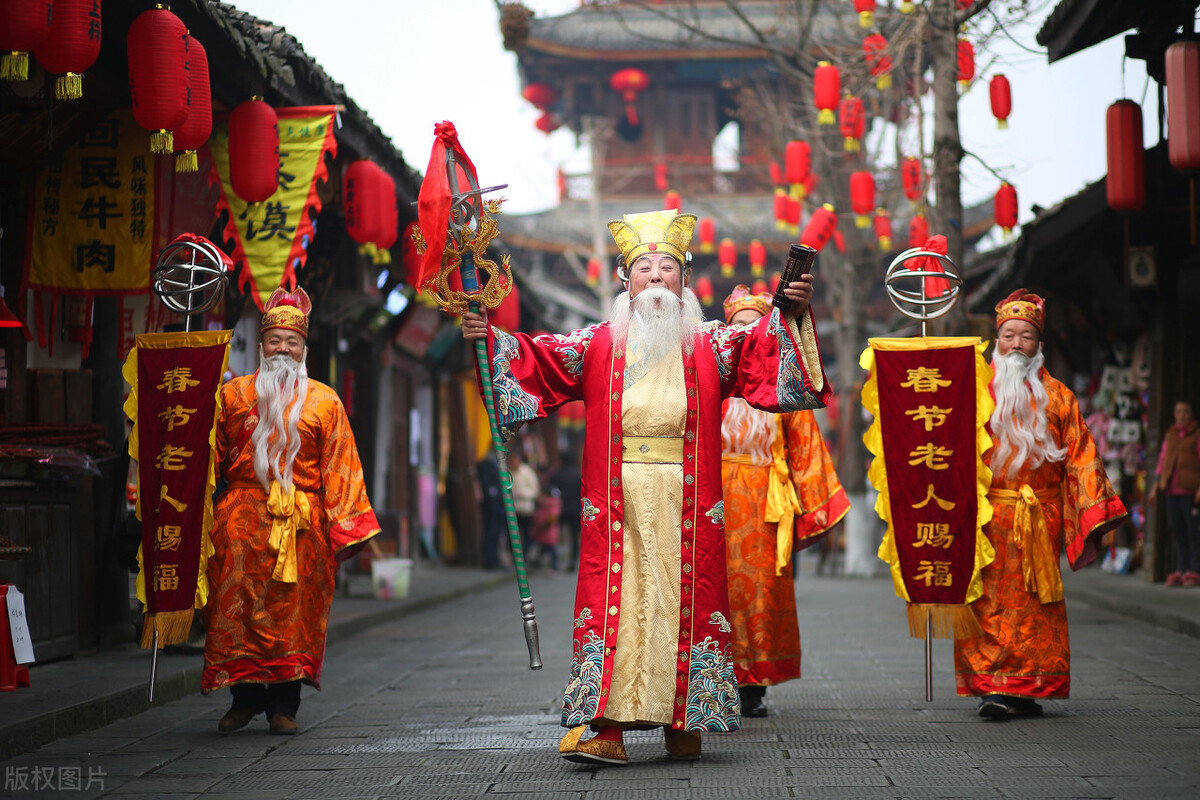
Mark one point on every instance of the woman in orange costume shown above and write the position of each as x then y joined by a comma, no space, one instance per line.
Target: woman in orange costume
1049,491
295,506
779,482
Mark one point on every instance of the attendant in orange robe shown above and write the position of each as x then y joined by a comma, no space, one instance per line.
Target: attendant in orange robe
295,506
1049,491
779,484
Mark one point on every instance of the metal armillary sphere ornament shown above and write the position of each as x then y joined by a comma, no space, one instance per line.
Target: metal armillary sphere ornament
915,303
189,276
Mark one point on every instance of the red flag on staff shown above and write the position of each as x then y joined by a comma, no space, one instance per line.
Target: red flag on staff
175,381
433,202
930,401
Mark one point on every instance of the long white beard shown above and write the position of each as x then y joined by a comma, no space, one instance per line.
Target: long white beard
1019,420
276,440
745,429
665,322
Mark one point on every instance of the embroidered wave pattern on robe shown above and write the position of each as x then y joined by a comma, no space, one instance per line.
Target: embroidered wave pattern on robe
712,701
581,699
513,404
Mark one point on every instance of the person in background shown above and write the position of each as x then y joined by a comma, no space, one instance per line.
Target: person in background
567,480
1179,477
779,486
491,507
525,488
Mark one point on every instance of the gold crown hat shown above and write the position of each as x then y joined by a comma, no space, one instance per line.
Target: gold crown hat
740,299
1022,304
287,310
666,230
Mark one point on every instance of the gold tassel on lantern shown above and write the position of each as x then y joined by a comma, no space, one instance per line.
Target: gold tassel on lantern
187,161
14,66
162,142
69,86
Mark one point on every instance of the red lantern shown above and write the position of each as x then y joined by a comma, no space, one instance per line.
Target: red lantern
883,229
794,210
593,271
839,241
389,218
853,123
827,90
820,228
708,234
629,82
547,123
195,130
72,46
1126,184
862,197
661,181
1183,105
254,150
24,24
158,75
1001,95
878,61
776,174
758,287
773,285
758,258
507,316
912,176
1005,207
811,183
672,200
704,290
781,209
540,95
966,62
918,230
866,12
727,257
362,197
797,159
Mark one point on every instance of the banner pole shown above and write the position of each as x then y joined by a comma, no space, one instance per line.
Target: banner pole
929,657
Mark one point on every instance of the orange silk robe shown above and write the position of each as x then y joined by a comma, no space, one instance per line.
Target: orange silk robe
1024,649
260,630
766,634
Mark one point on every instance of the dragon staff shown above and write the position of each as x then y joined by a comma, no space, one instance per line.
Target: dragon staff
460,211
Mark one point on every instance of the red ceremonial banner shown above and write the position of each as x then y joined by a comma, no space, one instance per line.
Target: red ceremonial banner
928,397
176,380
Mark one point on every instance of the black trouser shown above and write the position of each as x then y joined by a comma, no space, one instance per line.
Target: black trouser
273,698
1185,529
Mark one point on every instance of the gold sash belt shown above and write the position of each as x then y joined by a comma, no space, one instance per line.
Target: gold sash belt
289,513
1039,560
652,449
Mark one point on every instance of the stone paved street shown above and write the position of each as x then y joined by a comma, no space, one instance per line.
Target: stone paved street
441,703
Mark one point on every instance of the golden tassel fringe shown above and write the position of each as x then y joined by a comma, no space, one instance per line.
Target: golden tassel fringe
14,66
949,622
187,161
162,142
173,628
69,86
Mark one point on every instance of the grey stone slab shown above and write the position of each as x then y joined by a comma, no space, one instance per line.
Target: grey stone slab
168,784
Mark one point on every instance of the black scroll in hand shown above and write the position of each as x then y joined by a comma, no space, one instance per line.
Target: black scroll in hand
799,261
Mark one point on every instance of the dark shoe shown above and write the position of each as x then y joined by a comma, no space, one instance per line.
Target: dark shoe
751,700
993,707
1023,707
236,719
284,725
682,745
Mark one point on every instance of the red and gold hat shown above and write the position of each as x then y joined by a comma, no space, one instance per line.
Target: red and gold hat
1021,304
740,299
287,310
666,230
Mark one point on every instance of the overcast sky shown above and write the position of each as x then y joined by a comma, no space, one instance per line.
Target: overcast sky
393,57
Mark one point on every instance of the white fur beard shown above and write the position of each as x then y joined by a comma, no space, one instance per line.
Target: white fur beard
665,322
1019,420
276,440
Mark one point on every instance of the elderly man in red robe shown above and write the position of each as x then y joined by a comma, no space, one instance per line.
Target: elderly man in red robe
1049,491
296,504
780,490
652,631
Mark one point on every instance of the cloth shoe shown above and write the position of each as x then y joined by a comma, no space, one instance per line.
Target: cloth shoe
236,719
993,706
1190,579
1175,579
682,745
1023,707
751,700
284,725
593,751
